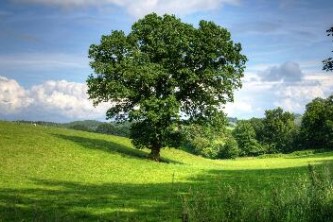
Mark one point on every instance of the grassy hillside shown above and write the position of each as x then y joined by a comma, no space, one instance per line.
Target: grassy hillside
55,174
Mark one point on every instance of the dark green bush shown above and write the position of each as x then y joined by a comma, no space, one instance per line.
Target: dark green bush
201,140
229,150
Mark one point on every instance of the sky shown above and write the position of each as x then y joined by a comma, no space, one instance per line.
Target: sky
44,51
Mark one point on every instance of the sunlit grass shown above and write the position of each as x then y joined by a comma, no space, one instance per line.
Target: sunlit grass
63,175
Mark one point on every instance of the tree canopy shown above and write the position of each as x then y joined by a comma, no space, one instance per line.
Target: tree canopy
279,129
245,135
317,123
164,72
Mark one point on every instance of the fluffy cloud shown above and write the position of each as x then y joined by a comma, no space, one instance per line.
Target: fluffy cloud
287,72
240,107
13,98
287,85
141,7
294,97
64,98
51,101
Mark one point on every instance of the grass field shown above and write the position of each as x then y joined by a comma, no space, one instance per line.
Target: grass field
54,174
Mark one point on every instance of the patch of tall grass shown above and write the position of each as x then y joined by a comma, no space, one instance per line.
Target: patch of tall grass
306,200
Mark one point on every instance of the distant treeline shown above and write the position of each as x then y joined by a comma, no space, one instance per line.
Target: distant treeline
111,128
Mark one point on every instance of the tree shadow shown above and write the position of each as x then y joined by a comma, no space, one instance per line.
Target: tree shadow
70,201
52,200
110,147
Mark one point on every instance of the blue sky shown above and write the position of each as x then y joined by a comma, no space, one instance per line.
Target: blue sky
44,47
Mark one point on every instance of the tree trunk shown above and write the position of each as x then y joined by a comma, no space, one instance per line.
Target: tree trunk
155,154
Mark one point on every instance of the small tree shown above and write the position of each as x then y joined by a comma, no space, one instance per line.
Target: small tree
162,70
202,140
258,126
317,123
279,130
245,135
230,149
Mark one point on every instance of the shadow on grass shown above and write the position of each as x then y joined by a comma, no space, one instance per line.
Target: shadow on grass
110,147
50,200
69,201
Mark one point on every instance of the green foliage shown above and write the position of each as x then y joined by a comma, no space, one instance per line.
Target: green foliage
258,126
230,149
85,125
279,130
163,69
118,129
199,144
79,126
202,140
317,123
111,128
245,135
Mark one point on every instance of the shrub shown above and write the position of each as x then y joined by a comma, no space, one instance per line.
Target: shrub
201,140
229,150
245,136
210,152
204,147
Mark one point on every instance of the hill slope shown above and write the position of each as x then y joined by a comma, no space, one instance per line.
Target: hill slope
56,174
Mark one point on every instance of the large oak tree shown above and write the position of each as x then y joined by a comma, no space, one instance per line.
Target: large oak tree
164,72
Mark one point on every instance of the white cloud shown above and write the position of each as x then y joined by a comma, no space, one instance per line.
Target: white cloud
13,98
292,93
238,107
65,98
294,97
50,101
141,7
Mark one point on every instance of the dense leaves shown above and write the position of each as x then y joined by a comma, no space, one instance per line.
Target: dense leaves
119,129
163,72
229,150
317,124
279,130
245,136
202,140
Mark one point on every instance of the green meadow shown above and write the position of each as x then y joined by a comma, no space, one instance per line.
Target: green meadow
56,174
